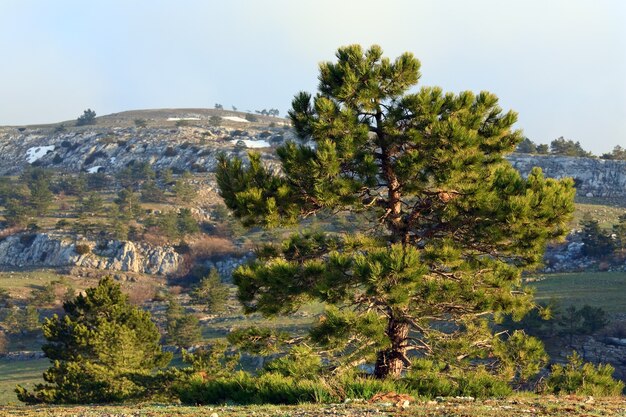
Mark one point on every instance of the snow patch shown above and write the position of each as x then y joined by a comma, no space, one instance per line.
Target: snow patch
94,170
112,159
252,143
235,119
176,119
37,152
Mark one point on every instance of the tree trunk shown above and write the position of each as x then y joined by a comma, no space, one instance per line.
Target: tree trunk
390,362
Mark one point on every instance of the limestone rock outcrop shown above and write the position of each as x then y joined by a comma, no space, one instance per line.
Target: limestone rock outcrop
45,250
594,177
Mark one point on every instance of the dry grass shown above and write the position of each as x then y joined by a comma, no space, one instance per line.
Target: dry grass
207,247
550,406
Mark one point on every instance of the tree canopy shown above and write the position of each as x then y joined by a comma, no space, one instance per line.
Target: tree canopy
99,349
87,118
448,225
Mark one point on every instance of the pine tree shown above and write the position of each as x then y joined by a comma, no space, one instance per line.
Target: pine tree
87,118
184,191
449,227
151,193
597,242
16,213
568,147
40,195
211,292
619,230
98,348
128,204
186,223
526,146
183,329
92,204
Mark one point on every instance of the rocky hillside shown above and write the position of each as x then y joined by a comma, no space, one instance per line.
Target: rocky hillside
594,177
187,139
191,140
176,139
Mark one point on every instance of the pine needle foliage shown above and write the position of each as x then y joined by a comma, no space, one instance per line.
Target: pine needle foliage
457,224
99,349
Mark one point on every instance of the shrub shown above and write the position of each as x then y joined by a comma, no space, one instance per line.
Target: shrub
4,343
28,239
211,247
170,151
43,296
215,121
301,362
577,377
242,388
87,118
431,379
82,248
140,122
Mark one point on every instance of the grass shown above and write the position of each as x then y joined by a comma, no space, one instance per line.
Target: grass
606,215
548,406
26,373
21,283
597,289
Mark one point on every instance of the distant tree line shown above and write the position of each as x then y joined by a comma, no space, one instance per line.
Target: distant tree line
566,147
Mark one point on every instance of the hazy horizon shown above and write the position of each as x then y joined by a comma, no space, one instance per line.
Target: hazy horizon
561,64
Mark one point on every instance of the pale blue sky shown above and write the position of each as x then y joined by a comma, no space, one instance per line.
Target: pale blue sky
560,63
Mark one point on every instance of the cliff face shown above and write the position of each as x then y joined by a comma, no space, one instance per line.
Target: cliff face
44,250
594,177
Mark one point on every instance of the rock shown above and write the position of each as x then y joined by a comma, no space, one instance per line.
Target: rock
594,176
48,250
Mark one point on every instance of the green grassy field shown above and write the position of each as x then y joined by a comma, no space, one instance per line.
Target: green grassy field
26,373
597,289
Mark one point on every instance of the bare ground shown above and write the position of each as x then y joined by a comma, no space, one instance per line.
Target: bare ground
570,406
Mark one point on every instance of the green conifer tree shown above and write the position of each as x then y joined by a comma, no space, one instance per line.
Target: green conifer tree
40,195
183,329
98,349
452,224
598,243
211,293
128,204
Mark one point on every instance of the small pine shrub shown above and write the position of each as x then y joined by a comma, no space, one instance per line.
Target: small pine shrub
578,377
62,224
242,388
301,362
350,385
431,379
82,248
